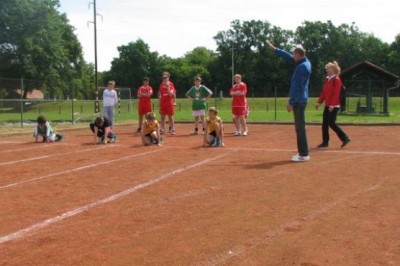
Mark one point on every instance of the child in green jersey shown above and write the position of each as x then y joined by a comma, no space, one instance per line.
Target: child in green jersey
198,94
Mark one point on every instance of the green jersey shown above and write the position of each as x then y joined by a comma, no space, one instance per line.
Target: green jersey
199,96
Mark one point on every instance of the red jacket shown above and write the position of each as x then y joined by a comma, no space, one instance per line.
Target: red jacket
331,91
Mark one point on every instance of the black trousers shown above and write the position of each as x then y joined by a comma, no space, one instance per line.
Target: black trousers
300,126
329,121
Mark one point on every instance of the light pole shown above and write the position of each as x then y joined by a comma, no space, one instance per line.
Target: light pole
233,65
96,103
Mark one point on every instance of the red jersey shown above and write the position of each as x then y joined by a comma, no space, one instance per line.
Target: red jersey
165,98
331,91
143,100
239,100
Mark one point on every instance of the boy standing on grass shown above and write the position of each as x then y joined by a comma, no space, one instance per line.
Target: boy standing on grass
198,94
151,130
214,133
101,128
144,93
166,96
44,130
110,99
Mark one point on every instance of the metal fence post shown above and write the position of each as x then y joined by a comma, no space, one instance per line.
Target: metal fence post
22,102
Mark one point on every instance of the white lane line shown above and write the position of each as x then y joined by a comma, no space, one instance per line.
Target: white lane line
319,151
52,155
21,233
78,169
11,142
24,149
271,235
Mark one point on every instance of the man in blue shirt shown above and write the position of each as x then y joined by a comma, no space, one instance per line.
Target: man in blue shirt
298,96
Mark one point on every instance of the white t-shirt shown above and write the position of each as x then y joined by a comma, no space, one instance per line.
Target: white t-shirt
110,97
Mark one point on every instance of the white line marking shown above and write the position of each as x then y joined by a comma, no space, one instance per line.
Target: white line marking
24,149
240,250
78,169
52,155
11,142
319,151
69,214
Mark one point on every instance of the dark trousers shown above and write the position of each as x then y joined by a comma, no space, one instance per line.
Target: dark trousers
329,121
300,126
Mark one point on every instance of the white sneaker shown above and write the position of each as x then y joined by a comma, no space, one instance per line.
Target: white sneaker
237,133
245,132
299,158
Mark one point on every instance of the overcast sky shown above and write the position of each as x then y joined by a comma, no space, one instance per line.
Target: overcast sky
175,27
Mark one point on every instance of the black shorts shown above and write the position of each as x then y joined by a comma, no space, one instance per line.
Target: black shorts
213,133
149,135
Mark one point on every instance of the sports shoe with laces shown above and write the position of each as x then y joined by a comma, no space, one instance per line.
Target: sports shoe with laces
299,158
195,133
237,133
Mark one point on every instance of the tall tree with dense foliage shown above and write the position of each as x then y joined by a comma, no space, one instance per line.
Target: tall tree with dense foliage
37,42
134,62
346,44
243,48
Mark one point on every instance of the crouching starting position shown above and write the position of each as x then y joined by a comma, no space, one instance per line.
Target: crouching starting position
43,129
101,128
150,130
214,133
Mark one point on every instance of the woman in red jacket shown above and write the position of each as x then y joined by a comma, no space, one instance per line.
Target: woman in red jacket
331,95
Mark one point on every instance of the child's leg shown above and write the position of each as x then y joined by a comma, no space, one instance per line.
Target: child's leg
196,123
162,124
243,124
154,139
203,122
147,140
140,122
237,123
210,139
171,123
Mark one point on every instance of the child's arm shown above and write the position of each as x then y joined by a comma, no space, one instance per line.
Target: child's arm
205,137
116,98
209,93
221,124
107,131
95,134
158,134
142,136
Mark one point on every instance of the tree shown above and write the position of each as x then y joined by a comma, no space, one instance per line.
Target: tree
244,43
325,42
394,56
135,61
36,42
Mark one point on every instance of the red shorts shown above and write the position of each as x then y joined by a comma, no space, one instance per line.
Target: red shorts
239,110
167,110
143,109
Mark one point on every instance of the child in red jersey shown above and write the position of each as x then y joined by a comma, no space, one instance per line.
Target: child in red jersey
166,95
144,94
239,105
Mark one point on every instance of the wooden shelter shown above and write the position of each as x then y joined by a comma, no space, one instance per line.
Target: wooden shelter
368,87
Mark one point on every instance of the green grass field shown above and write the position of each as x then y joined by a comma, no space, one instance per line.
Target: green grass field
262,110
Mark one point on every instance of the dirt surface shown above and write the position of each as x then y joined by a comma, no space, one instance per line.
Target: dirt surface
75,203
